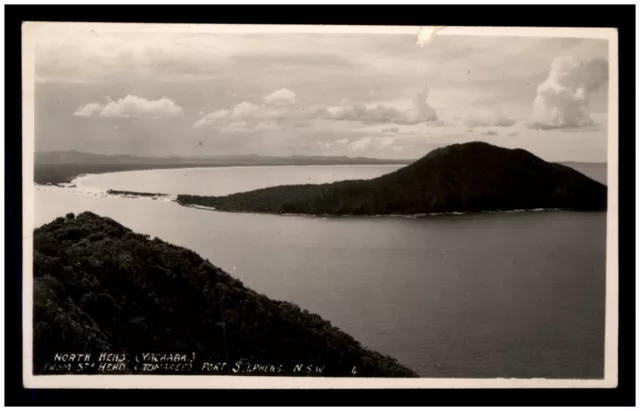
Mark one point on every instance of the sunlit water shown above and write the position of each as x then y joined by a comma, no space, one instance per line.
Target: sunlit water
226,180
480,295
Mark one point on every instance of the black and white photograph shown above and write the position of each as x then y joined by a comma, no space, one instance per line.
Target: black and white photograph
352,206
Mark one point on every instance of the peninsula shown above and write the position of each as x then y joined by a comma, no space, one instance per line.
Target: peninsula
469,177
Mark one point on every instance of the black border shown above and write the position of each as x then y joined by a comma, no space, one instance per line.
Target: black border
620,17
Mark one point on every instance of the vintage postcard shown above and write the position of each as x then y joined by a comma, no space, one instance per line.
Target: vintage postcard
237,206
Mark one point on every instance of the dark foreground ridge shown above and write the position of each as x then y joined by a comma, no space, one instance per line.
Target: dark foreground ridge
101,289
468,177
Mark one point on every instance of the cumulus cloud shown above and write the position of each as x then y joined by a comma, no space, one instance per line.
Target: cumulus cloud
487,118
420,113
261,117
281,97
134,106
252,114
89,110
278,108
562,99
131,106
364,114
370,143
245,109
256,116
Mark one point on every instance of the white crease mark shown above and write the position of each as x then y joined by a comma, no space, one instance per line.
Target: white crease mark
427,34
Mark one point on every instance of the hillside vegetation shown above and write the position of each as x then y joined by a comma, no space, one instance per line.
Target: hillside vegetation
100,287
466,177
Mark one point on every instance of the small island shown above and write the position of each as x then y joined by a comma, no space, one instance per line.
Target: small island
469,177
105,293
134,193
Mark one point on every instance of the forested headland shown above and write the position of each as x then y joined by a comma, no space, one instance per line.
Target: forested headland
100,287
469,177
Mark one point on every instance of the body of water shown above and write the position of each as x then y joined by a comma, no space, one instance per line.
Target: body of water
513,295
227,180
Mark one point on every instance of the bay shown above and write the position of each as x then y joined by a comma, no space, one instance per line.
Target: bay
511,295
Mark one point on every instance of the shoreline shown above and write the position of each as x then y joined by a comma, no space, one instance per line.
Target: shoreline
80,178
67,174
77,179
78,185
168,199
370,216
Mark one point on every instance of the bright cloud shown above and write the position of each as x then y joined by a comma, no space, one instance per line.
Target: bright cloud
341,141
297,91
246,110
132,107
253,114
562,99
274,110
422,112
263,116
281,97
89,110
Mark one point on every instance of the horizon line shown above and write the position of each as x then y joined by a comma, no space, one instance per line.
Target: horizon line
167,156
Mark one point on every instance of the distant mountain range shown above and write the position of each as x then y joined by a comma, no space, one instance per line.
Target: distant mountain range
78,157
57,167
468,177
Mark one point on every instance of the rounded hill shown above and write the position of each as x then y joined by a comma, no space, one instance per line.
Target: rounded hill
469,177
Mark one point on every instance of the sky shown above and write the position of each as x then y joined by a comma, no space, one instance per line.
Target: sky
360,95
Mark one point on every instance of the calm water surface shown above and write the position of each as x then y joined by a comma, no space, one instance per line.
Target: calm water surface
228,180
479,295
